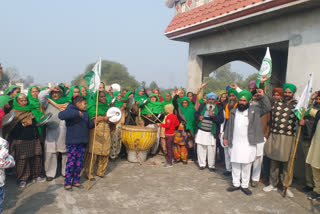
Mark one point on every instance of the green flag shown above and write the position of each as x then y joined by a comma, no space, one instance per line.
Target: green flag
266,68
93,77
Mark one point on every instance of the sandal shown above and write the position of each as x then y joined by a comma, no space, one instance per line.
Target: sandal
68,188
80,186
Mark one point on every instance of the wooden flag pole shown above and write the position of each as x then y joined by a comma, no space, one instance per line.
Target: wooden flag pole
94,140
293,157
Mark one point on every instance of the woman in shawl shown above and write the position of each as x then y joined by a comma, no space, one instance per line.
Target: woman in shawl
34,104
101,148
140,96
25,146
84,92
184,145
157,92
8,96
55,141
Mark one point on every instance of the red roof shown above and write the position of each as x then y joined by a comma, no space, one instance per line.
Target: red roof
216,12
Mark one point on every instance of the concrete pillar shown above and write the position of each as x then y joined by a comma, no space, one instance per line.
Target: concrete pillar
195,66
302,60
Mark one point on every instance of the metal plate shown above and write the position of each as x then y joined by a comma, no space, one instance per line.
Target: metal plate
115,114
8,118
44,119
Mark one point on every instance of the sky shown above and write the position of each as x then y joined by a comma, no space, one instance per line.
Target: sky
54,41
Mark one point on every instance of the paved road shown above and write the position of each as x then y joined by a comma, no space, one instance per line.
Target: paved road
151,188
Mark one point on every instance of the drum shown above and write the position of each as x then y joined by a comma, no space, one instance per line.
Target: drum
138,140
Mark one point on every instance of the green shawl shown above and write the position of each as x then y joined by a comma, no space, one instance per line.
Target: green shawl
17,106
4,99
126,97
117,103
216,111
6,92
166,102
70,93
140,98
34,105
61,100
102,107
155,107
88,93
188,113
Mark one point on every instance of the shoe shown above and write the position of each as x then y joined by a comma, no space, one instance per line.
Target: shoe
270,188
167,165
307,189
68,188
289,193
233,188
202,167
314,196
254,184
49,179
79,186
246,191
227,173
212,169
22,184
38,180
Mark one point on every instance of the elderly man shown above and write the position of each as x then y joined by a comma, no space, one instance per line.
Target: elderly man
209,118
54,143
242,134
280,145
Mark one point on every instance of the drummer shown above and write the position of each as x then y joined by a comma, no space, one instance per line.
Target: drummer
55,132
25,144
102,139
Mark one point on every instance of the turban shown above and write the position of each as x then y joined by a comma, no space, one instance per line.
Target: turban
252,83
232,90
291,87
246,94
212,95
278,90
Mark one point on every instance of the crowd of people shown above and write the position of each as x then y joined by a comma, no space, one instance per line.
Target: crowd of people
252,133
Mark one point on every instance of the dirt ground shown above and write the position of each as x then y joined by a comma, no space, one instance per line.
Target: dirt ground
151,188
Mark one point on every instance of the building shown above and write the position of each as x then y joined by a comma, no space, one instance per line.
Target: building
222,31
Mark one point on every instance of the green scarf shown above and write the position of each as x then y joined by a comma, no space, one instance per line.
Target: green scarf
126,97
88,93
102,107
166,102
61,100
70,93
34,105
140,98
4,99
6,92
155,107
216,111
117,103
188,113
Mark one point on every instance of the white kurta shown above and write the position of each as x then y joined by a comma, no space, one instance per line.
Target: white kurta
242,151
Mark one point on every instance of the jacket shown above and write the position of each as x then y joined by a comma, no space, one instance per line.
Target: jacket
255,133
77,126
170,124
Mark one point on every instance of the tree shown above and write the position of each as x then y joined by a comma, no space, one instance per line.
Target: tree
153,85
111,72
13,74
4,82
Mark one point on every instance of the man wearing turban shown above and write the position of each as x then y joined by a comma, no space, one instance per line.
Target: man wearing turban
242,135
209,117
280,144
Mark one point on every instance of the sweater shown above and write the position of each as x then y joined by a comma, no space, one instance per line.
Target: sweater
77,126
170,124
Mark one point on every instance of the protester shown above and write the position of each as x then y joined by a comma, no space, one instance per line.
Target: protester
242,135
78,123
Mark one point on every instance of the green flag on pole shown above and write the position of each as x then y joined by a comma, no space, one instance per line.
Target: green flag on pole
93,77
304,99
266,68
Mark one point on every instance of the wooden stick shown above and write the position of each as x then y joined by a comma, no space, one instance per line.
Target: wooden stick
94,140
152,113
148,118
293,157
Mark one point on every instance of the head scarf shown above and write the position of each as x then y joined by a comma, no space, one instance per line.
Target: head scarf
10,89
61,100
232,90
126,97
252,83
102,107
4,99
212,95
166,102
181,99
291,87
160,97
188,113
278,90
155,107
70,93
140,98
88,93
117,103
246,94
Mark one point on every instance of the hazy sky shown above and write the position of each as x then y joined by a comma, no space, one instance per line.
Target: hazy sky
55,40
